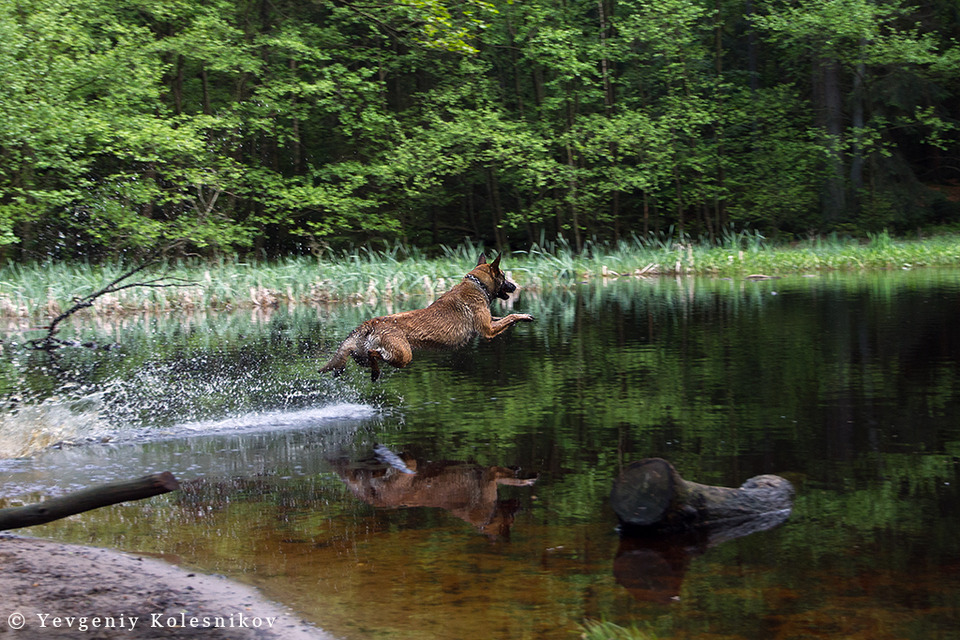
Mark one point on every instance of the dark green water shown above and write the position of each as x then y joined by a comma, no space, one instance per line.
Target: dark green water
846,385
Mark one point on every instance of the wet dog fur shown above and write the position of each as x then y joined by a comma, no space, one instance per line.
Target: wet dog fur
451,321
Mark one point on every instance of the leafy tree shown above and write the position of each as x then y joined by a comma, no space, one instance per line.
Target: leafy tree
875,71
281,126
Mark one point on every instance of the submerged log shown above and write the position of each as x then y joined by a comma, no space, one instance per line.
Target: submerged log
651,493
652,563
87,500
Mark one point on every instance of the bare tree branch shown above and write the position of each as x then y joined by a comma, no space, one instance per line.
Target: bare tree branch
50,342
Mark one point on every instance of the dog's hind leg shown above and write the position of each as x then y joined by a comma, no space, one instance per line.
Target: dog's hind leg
372,357
393,349
397,352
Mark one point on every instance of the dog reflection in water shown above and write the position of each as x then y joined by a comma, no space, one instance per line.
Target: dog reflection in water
468,491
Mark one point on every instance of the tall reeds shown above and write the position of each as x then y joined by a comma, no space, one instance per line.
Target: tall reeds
364,275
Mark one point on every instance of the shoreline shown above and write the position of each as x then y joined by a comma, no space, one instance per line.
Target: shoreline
62,590
34,292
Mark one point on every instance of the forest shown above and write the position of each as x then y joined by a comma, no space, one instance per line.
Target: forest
279,127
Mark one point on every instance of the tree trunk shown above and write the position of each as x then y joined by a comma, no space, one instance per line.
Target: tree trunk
830,105
858,124
205,85
472,212
514,59
679,191
496,209
87,499
651,493
539,86
646,214
752,55
719,204
573,197
297,142
604,61
177,88
609,99
615,214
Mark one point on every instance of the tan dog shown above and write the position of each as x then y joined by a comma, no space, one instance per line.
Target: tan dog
450,322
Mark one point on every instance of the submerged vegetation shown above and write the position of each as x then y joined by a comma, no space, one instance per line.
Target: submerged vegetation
367,276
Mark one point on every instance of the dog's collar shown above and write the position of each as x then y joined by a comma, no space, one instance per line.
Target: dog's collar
475,280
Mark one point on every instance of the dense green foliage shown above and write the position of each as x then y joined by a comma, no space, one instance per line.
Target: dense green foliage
286,127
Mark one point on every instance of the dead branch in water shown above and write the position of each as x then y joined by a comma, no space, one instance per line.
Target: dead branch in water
87,500
49,342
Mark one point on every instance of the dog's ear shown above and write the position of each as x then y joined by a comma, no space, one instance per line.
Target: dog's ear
482,259
496,263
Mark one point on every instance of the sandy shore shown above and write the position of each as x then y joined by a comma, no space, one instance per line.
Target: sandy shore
54,590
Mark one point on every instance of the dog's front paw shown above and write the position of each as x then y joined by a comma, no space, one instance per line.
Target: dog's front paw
524,317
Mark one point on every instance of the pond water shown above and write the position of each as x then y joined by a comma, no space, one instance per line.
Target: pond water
847,385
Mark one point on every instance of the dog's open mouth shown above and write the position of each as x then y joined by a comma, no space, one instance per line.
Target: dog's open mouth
505,290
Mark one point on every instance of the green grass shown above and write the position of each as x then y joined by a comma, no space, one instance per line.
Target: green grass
43,290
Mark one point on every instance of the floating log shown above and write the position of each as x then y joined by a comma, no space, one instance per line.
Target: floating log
87,500
651,493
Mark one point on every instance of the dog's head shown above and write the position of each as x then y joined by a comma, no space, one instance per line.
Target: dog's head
493,279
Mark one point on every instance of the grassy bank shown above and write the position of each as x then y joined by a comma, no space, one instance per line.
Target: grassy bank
42,290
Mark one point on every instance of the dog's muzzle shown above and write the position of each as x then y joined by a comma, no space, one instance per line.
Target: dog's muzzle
506,289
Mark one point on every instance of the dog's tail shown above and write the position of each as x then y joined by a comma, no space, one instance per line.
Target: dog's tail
339,360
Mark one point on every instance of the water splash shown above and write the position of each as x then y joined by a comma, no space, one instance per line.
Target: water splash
187,396
179,376
275,420
59,422
34,427
198,390
278,444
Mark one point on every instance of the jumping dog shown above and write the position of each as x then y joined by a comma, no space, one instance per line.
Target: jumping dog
450,322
